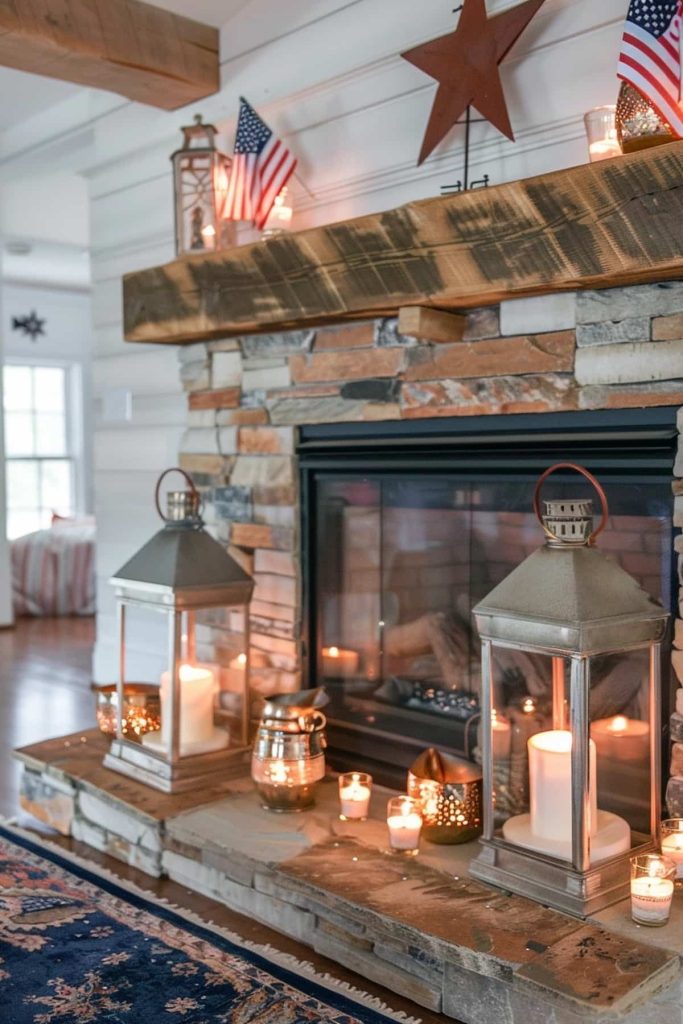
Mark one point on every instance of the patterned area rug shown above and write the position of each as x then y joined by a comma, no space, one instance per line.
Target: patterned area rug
77,947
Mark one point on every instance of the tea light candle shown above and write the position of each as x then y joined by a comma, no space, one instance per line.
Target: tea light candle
672,842
339,663
652,889
622,739
604,149
404,822
354,795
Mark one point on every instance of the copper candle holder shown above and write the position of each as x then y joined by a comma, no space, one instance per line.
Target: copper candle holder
141,712
449,792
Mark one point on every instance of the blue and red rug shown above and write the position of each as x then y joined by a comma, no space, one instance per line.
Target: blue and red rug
77,948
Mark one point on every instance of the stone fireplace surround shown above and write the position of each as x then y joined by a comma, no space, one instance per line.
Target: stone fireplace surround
619,348
421,929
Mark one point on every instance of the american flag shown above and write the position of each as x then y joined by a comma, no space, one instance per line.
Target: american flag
260,169
650,58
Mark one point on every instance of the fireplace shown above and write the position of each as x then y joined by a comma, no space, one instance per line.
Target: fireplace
407,526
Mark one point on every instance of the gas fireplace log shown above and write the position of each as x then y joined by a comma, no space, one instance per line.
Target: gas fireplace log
448,637
444,636
595,226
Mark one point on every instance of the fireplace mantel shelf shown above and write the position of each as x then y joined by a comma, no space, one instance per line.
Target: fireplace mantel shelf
595,226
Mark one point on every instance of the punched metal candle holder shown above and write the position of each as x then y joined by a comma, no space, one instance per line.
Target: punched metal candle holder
571,603
179,572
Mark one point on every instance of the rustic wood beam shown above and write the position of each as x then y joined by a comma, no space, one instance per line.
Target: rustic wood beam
431,324
125,46
595,226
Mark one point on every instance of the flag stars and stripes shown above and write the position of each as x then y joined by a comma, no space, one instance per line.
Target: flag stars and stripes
650,58
261,167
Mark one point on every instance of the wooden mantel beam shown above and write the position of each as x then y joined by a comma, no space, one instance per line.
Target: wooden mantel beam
125,46
595,226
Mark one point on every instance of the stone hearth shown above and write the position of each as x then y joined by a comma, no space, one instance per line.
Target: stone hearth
418,926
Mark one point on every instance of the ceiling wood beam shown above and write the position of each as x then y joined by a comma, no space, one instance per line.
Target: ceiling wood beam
124,46
595,226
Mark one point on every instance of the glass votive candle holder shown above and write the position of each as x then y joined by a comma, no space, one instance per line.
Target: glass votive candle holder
672,843
404,822
652,889
354,795
601,130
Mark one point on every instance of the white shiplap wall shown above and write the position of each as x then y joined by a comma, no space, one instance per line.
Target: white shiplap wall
326,75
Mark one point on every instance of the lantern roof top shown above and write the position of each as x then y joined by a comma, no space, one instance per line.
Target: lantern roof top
183,565
571,599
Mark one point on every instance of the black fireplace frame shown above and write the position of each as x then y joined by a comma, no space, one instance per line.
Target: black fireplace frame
621,444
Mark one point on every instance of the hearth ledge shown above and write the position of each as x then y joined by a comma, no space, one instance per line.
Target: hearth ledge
421,927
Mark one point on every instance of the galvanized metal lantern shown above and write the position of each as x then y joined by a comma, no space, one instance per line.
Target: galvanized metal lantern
200,182
179,572
593,782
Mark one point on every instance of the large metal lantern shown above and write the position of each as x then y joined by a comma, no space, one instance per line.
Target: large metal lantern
592,778
204,710
200,182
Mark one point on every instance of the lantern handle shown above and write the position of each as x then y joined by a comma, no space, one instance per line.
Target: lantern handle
157,489
591,479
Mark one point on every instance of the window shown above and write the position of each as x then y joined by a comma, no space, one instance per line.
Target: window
38,446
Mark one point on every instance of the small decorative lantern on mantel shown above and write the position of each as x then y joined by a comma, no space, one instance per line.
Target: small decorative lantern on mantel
179,572
200,183
576,611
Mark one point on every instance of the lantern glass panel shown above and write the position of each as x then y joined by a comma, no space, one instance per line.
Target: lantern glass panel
532,744
521,708
620,728
198,180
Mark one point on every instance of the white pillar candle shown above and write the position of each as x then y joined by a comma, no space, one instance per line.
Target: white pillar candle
354,795
622,739
339,663
404,822
672,842
550,785
197,698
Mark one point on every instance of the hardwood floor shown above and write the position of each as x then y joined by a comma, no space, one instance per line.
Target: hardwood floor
44,689
44,692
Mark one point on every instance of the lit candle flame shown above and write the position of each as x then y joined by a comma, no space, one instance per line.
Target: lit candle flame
529,706
618,724
333,652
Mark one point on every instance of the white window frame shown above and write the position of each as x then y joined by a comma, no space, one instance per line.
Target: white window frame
73,409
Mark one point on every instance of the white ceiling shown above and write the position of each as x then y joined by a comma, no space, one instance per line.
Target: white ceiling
211,12
22,95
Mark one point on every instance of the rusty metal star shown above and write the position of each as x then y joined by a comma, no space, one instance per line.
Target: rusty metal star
465,64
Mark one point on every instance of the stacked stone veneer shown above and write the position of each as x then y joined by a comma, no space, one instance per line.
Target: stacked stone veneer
619,348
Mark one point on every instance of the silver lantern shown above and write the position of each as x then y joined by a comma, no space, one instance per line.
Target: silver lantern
593,779
204,709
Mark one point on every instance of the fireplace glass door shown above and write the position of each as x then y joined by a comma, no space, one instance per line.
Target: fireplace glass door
398,559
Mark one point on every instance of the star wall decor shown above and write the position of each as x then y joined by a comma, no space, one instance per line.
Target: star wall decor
465,64
31,325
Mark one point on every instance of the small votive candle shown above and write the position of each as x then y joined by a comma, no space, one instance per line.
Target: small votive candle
652,889
672,842
404,822
354,795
